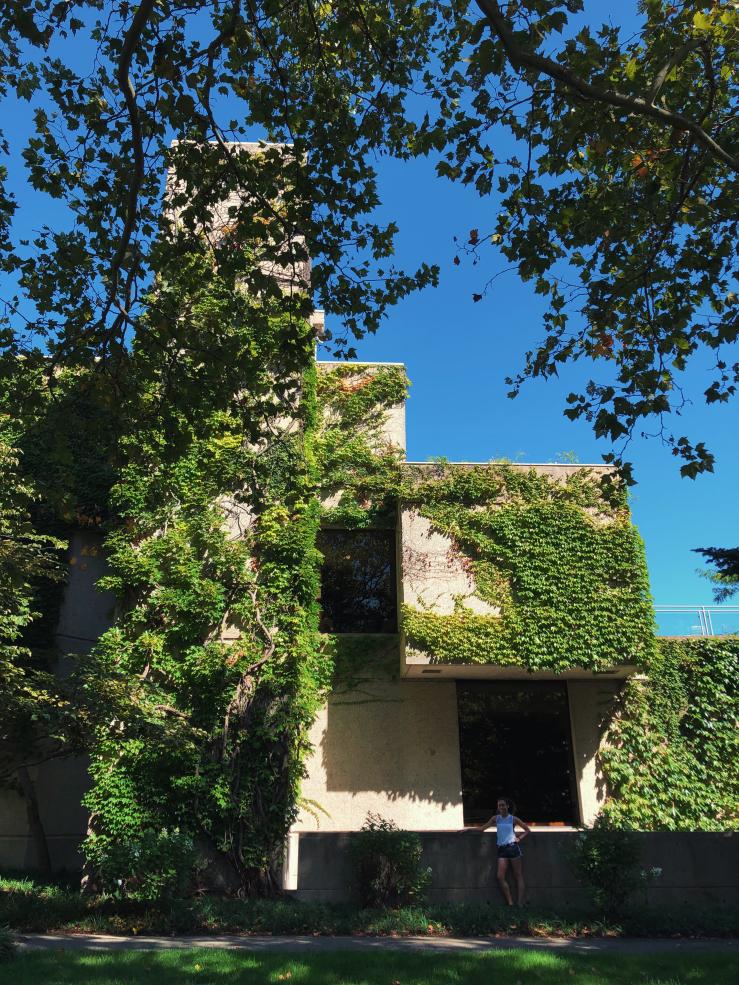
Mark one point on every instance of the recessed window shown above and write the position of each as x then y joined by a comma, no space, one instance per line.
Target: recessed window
358,582
514,739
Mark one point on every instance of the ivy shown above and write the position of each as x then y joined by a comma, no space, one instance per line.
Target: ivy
37,717
360,472
671,750
565,568
559,560
201,696
209,680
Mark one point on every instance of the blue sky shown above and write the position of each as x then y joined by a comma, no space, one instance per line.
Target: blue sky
458,354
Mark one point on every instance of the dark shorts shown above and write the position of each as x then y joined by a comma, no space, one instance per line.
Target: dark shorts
510,851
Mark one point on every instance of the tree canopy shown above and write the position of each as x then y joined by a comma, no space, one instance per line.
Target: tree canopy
619,205
725,573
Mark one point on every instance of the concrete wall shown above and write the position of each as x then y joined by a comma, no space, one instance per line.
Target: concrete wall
60,784
696,867
390,747
591,704
434,575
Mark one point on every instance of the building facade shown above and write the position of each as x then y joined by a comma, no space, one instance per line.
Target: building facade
483,620
423,740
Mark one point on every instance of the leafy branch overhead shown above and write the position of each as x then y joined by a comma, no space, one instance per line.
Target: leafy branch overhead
725,573
618,202
606,159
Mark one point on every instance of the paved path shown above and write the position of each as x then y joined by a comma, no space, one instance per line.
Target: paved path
580,945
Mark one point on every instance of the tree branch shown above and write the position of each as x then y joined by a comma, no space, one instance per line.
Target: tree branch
675,59
610,97
130,41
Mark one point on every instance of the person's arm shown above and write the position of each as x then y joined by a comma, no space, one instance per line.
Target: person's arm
524,825
488,824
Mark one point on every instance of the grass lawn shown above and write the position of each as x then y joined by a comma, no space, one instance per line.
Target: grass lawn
498,967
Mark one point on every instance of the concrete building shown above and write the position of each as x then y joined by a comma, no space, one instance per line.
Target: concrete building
426,743
392,745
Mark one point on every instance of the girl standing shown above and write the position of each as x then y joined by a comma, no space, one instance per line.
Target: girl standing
509,848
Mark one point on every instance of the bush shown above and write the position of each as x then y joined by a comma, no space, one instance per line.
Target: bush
149,866
388,861
7,943
30,906
607,861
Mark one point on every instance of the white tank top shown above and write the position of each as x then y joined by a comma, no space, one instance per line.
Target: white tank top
504,829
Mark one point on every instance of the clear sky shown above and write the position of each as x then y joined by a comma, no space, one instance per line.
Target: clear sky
458,354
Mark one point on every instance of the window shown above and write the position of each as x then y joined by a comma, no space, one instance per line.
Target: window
358,583
514,739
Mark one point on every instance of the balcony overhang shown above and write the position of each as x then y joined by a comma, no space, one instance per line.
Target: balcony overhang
420,667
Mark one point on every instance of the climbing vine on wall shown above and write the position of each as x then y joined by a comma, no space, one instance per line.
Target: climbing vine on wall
36,710
670,755
360,475
562,563
360,472
559,560
202,694
41,716
213,671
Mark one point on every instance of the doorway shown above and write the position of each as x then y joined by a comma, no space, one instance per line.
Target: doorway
514,739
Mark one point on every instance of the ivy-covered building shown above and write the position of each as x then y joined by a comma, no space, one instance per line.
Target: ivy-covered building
484,618
488,629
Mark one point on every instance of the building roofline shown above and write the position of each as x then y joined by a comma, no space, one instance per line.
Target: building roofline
352,362
526,465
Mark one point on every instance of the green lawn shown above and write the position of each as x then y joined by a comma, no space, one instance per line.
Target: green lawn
498,967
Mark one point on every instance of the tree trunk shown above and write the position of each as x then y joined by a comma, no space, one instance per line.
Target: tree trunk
34,820
90,882
258,883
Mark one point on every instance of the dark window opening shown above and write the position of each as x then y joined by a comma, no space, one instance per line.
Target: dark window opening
358,582
514,741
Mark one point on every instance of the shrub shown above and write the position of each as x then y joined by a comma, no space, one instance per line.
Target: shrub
149,866
28,906
607,861
388,861
7,943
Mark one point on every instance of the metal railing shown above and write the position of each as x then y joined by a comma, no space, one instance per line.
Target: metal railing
697,620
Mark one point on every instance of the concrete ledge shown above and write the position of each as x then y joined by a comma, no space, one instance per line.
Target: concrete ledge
696,867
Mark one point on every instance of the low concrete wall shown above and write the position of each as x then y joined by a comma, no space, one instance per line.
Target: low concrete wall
696,867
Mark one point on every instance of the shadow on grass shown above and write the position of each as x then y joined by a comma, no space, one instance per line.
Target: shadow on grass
501,966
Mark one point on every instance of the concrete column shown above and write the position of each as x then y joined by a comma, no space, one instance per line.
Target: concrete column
591,704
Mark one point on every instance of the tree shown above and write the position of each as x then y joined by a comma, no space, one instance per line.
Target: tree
620,205
37,713
641,130
725,576
194,322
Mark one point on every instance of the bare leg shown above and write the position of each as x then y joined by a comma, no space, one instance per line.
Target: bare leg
503,882
517,865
